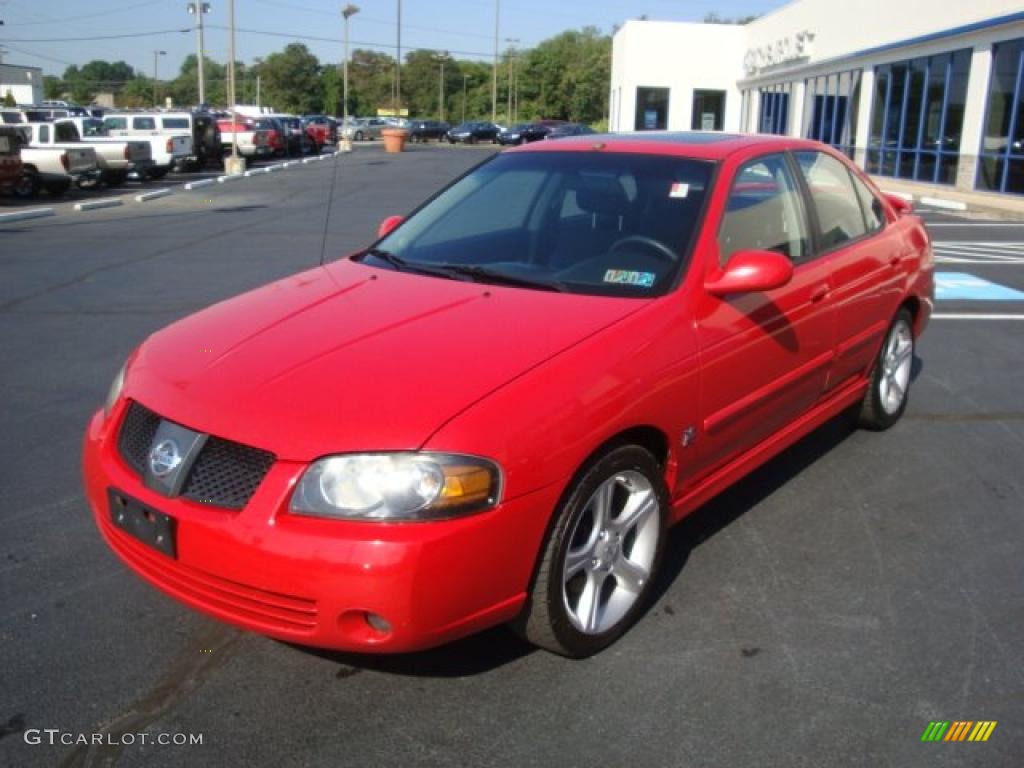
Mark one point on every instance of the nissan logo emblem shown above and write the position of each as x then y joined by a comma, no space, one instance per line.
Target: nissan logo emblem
164,458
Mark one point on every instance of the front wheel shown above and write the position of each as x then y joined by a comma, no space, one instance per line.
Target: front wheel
27,186
598,562
886,398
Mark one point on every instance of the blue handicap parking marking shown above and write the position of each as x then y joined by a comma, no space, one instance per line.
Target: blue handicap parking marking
960,286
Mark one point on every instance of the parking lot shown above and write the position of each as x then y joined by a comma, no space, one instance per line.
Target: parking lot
822,612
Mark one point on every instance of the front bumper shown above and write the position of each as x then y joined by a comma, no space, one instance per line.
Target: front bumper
313,581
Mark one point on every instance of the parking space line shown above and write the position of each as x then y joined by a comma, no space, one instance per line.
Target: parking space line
975,316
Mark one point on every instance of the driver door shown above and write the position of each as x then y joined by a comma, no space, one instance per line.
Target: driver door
765,357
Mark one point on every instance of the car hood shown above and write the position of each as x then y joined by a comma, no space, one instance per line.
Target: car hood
348,357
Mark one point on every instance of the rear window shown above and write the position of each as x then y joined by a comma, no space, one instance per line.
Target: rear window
175,123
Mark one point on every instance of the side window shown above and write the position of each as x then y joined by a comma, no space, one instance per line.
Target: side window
44,134
874,213
835,200
764,212
144,124
115,123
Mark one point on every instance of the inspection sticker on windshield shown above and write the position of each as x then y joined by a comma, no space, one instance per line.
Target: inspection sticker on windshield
629,277
678,189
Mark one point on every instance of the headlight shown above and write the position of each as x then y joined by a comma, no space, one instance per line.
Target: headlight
397,486
115,390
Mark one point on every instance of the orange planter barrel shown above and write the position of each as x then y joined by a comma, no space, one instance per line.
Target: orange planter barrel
394,139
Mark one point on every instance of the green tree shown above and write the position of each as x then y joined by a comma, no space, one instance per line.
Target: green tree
184,88
566,77
331,84
291,80
53,87
370,81
9,100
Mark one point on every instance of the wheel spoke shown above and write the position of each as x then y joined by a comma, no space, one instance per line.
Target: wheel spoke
638,508
903,354
602,504
577,559
629,575
588,609
895,388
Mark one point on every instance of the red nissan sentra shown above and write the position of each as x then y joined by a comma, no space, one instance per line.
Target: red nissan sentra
494,413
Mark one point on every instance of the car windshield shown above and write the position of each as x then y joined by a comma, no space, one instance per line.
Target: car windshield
585,222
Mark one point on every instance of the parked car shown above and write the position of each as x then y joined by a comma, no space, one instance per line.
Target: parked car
425,130
169,147
297,140
44,113
569,129
628,330
523,133
321,129
276,135
53,166
202,127
363,128
116,156
11,172
472,133
253,143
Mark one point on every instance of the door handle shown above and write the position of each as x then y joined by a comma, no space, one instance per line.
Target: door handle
819,293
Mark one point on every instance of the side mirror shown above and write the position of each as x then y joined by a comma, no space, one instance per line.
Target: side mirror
388,225
899,204
750,272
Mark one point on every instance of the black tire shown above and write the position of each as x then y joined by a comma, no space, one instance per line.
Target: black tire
471,140
358,136
546,621
878,410
27,186
156,173
57,188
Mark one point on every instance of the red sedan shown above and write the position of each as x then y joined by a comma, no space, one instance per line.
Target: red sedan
494,413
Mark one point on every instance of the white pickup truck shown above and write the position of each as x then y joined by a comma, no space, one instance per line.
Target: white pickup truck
51,165
117,156
253,143
168,149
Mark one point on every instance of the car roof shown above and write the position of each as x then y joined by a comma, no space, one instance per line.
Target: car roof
697,144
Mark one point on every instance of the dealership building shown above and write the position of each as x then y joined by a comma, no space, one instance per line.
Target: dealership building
929,92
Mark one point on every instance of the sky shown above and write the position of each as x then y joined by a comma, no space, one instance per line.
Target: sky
35,32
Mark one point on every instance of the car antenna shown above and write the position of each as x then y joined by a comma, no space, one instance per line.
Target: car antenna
330,204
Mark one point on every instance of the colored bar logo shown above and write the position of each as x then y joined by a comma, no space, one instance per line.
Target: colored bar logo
958,730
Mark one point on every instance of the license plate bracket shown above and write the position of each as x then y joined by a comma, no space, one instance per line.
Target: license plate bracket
152,528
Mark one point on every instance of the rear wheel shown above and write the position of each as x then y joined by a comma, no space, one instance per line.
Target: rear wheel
599,559
359,136
27,186
156,173
887,395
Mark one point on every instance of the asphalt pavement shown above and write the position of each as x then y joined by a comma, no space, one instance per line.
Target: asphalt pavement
820,613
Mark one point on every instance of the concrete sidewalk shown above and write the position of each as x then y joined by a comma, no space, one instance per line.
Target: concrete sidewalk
986,205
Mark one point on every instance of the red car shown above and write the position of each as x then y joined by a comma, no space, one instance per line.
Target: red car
493,414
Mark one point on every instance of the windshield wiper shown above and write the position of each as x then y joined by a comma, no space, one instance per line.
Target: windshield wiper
402,265
486,275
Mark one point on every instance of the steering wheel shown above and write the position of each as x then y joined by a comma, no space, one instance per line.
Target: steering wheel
656,247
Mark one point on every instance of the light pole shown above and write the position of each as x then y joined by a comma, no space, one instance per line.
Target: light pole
463,97
494,74
156,58
235,165
511,63
347,12
440,57
398,67
199,10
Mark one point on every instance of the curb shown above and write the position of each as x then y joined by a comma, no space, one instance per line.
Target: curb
32,213
201,183
226,179
106,202
950,205
155,194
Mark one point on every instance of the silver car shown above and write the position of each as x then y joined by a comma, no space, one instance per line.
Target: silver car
363,128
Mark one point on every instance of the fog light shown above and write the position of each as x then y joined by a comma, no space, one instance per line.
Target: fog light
378,623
